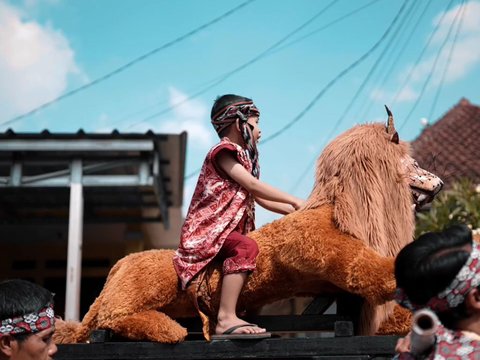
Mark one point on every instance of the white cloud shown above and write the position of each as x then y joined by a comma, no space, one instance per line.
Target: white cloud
465,56
470,21
191,116
407,94
35,61
382,96
104,124
466,53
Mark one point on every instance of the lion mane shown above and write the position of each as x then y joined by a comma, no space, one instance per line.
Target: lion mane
359,174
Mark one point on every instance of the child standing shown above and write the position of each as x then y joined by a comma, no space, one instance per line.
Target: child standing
222,208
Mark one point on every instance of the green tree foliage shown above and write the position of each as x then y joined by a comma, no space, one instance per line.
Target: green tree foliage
460,204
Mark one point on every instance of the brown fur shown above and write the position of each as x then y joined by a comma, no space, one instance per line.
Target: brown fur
374,186
356,219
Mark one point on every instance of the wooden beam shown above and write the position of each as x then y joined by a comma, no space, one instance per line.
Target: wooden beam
356,347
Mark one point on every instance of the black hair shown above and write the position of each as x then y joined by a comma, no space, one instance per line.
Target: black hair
225,100
429,264
20,297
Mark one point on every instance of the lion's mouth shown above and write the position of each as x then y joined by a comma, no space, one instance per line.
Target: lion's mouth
421,197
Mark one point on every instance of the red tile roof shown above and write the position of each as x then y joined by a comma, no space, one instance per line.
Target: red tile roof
451,146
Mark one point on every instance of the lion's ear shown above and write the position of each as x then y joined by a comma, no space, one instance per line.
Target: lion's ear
394,138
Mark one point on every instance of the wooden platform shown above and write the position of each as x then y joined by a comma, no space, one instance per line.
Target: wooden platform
307,336
341,348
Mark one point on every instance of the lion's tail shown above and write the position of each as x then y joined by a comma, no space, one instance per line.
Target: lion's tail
70,332
66,331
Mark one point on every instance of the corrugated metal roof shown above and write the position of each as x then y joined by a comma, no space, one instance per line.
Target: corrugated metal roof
81,134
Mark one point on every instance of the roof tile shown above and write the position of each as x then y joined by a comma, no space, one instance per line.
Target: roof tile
450,147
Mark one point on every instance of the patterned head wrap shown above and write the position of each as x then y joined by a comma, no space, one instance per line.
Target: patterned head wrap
467,278
240,110
29,323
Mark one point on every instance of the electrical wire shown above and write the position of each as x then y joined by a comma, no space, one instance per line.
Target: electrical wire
331,83
396,57
311,162
432,70
422,52
371,71
447,65
316,31
128,65
227,75
336,78
214,82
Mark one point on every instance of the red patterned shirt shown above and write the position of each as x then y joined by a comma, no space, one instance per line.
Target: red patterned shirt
450,345
218,205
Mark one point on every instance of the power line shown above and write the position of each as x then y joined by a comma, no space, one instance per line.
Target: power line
370,73
331,83
214,82
340,119
273,51
401,50
227,75
434,65
422,52
302,175
338,77
129,64
447,65
333,22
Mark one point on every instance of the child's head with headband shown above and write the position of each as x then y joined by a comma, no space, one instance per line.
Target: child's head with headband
229,108
25,308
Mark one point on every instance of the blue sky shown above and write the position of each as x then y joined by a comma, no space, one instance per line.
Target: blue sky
51,47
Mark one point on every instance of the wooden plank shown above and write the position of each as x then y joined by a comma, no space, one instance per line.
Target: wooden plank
278,323
357,347
319,305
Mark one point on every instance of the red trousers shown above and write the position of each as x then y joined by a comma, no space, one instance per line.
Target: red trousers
238,253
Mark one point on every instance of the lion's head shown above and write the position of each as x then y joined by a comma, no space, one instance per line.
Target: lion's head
373,184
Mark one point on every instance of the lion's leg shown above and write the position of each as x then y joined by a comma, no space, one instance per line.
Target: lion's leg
362,271
149,325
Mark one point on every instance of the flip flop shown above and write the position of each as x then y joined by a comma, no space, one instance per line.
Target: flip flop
228,334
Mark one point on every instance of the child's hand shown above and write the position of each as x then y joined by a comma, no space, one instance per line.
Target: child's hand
297,203
403,344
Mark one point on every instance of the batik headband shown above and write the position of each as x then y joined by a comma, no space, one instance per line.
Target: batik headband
29,323
467,278
230,113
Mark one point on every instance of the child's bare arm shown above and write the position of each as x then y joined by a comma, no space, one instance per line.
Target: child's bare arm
229,164
275,206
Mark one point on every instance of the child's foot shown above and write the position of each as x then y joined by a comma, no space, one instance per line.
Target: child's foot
237,326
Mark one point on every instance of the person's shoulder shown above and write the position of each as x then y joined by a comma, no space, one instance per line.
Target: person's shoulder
224,144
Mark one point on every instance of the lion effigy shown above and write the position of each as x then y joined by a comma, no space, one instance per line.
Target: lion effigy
356,219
